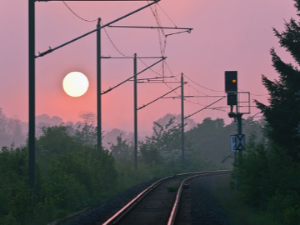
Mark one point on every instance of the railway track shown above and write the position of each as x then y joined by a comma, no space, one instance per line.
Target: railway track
159,203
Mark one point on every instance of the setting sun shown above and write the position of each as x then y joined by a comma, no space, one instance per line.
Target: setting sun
75,84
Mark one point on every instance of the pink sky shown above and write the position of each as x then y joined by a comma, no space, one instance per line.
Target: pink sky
227,35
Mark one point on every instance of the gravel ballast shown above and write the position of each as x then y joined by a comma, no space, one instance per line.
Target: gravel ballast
205,207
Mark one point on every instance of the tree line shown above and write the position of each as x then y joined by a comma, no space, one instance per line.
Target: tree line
72,174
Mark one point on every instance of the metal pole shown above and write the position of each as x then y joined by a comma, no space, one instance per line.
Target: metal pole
135,111
235,157
239,130
99,96
182,120
239,120
31,70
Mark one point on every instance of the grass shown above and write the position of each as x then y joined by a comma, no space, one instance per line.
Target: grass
238,213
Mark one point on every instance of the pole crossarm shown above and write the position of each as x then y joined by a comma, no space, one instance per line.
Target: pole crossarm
152,27
158,98
157,82
110,89
95,0
156,78
130,57
204,108
195,96
187,29
88,33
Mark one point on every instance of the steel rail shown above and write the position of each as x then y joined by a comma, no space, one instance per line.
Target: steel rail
129,206
173,214
122,212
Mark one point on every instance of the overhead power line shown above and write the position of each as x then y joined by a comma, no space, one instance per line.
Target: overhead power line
203,108
163,47
113,44
158,98
167,15
88,33
110,89
201,85
72,11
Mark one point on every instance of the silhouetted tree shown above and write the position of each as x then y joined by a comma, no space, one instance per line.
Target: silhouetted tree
282,115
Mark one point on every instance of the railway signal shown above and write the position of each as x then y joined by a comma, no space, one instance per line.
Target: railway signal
231,81
231,87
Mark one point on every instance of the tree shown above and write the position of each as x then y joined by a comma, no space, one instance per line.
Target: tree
122,151
268,168
10,131
176,121
163,147
282,115
4,138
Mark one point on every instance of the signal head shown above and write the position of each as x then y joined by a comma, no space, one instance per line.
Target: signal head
230,81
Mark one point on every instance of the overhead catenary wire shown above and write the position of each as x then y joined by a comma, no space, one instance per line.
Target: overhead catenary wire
162,43
50,50
110,89
108,36
113,44
74,13
167,15
110,39
121,53
158,98
203,108
163,46
201,85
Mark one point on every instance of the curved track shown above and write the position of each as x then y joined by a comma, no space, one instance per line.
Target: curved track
158,204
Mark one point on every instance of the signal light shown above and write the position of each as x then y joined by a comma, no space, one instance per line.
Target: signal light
230,81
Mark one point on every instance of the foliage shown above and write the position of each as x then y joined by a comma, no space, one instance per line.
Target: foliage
267,180
70,175
162,148
210,140
15,198
122,150
269,170
176,121
87,135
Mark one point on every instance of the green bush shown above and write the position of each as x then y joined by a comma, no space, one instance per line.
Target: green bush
291,216
70,175
269,181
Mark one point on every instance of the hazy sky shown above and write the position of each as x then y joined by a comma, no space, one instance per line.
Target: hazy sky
227,35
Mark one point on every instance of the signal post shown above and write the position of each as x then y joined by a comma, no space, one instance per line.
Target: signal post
231,88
